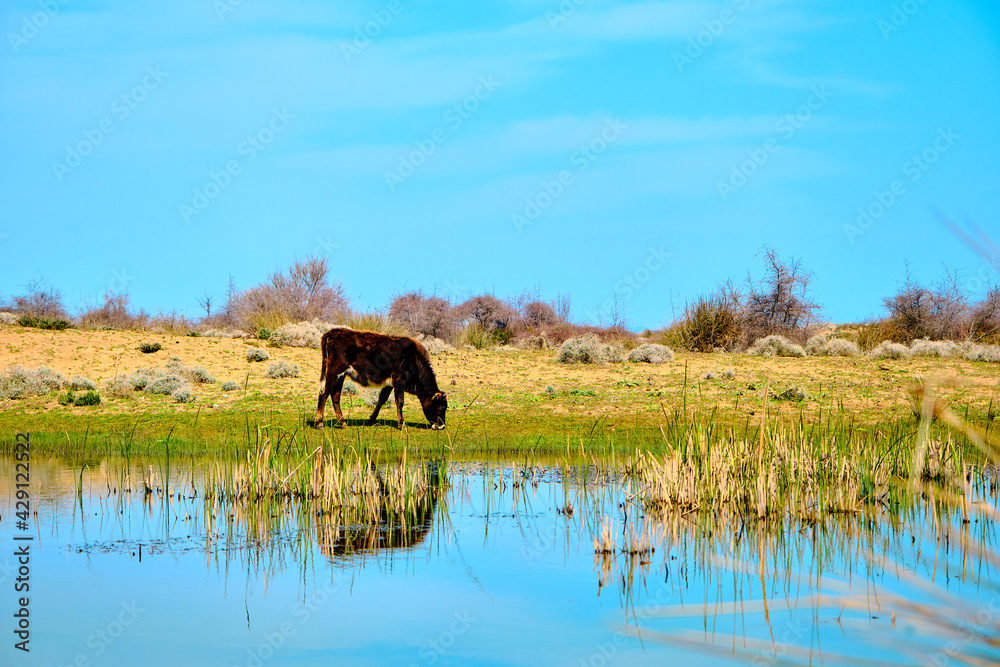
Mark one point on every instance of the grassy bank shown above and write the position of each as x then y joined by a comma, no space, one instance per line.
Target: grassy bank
501,401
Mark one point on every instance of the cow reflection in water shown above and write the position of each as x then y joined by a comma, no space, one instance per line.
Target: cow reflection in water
390,525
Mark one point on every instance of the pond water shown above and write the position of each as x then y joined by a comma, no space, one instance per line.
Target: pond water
134,562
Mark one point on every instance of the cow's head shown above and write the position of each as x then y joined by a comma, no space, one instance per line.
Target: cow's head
434,408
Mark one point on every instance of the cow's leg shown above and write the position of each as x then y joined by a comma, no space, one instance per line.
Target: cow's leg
338,385
383,396
400,390
332,379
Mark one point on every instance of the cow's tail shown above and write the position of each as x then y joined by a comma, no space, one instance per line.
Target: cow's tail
322,367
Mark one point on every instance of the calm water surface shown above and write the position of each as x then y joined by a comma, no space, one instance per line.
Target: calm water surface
130,565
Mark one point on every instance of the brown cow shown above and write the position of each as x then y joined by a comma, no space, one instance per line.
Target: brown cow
393,363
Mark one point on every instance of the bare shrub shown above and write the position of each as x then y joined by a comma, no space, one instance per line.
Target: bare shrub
229,385
776,346
303,294
493,315
777,304
170,323
538,314
651,353
983,321
936,313
114,314
42,301
890,350
427,315
9,319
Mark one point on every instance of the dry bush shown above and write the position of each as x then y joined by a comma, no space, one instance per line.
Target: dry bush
983,321
170,323
434,345
302,334
493,316
988,353
944,349
776,346
20,382
42,301
588,349
538,314
871,334
282,369
890,350
826,345
371,321
9,319
710,324
651,353
303,294
427,315
936,313
777,304
114,314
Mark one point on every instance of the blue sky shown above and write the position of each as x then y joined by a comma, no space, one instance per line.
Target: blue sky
640,150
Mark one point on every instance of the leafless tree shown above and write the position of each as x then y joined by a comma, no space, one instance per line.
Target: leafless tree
205,301
779,303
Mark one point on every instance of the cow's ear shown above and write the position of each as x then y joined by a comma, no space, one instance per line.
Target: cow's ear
438,396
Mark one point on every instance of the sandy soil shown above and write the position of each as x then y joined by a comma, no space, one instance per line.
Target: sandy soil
503,380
